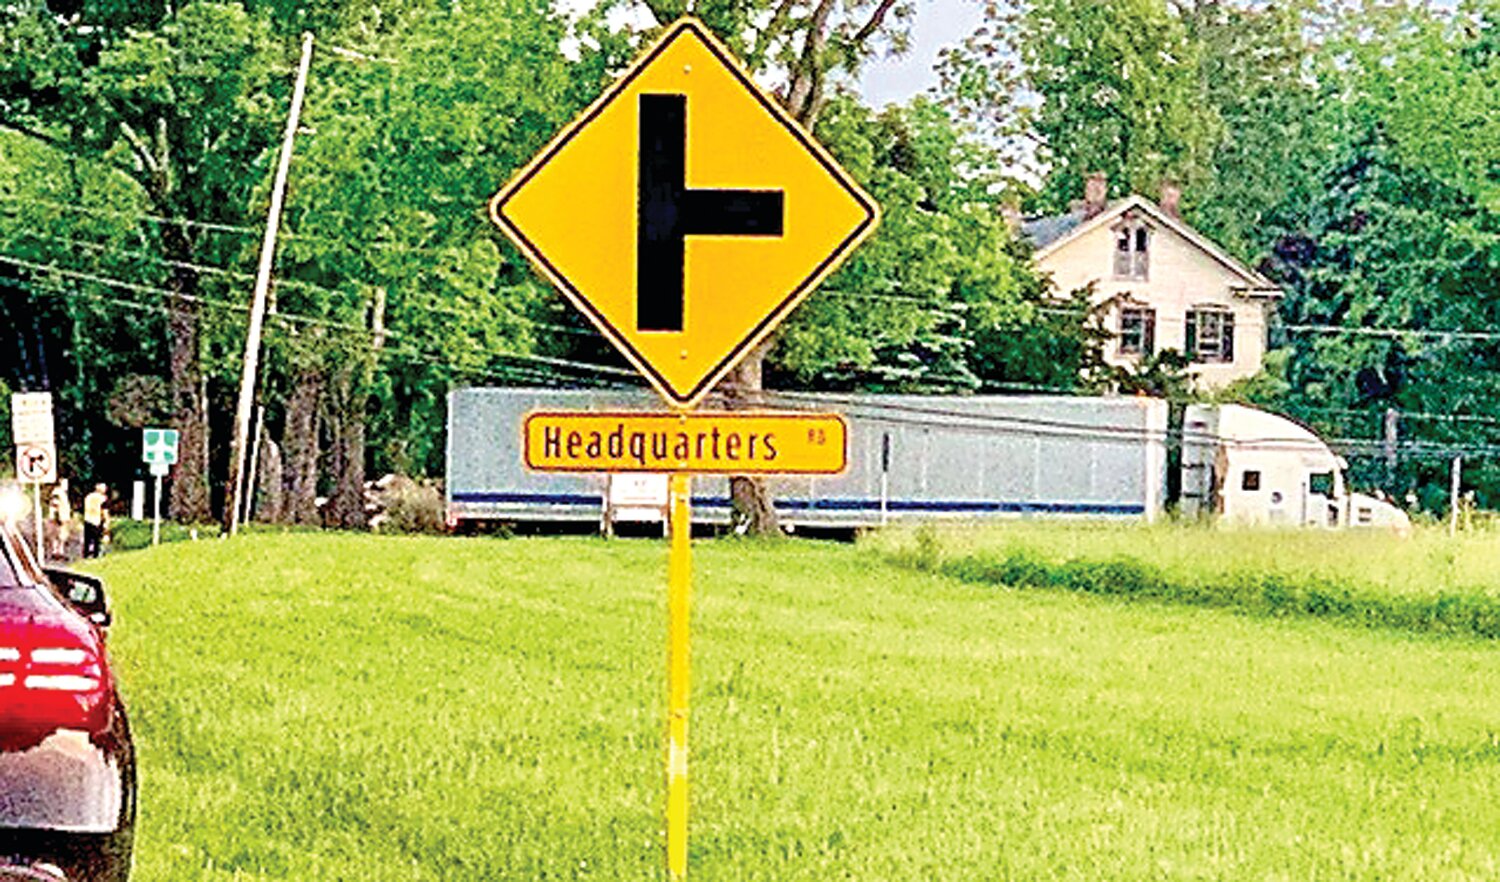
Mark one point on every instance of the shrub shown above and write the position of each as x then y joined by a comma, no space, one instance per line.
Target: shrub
126,534
409,506
1269,594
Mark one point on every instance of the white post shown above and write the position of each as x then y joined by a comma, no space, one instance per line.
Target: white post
138,500
1453,494
885,478
156,513
36,490
258,303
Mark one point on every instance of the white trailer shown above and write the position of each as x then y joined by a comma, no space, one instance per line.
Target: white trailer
911,459
916,459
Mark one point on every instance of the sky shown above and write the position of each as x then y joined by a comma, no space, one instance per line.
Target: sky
938,23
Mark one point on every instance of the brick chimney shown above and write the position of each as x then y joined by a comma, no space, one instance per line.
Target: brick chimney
1095,193
1011,214
1171,199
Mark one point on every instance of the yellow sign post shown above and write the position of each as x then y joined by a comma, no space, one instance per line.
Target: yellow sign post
679,688
686,214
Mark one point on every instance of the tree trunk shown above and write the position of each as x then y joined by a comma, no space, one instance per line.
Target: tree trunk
346,422
348,406
270,504
750,497
299,444
189,502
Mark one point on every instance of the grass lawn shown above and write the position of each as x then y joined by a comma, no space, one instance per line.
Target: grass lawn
319,707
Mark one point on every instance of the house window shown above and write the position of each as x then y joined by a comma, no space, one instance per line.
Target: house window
1251,480
1210,335
1320,484
1137,331
1132,254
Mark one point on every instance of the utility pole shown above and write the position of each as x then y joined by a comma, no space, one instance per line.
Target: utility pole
258,302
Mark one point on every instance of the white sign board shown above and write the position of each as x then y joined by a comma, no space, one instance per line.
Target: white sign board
31,418
36,463
637,497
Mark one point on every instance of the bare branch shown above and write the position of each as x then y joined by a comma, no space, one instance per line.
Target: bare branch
807,74
142,152
877,18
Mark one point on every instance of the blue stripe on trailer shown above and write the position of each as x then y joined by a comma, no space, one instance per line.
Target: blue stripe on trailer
835,504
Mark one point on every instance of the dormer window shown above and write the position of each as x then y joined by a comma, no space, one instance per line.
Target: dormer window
1132,250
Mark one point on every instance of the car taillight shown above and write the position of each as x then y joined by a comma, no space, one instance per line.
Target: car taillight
49,678
61,669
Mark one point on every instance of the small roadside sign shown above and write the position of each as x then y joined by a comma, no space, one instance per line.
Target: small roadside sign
685,213
158,450
159,447
31,418
36,463
698,442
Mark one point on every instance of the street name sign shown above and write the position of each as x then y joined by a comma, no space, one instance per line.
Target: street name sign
36,462
31,418
685,213
698,442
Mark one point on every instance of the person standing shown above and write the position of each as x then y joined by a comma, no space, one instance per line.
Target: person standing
60,513
95,520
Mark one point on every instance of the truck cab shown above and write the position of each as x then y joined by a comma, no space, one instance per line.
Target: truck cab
1248,467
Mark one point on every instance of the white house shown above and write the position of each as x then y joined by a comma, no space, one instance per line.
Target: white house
1163,284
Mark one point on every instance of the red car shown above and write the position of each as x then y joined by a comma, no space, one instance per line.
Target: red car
67,762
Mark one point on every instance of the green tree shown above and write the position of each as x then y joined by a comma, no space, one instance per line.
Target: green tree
181,101
1089,87
388,209
905,312
1258,66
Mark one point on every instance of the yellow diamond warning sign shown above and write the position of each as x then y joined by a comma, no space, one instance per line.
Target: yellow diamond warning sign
700,442
685,213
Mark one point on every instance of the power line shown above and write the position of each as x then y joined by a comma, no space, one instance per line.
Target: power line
1363,331
209,269
588,367
206,269
904,413
504,372
228,228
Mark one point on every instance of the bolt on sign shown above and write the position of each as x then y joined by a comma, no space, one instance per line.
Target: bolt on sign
685,213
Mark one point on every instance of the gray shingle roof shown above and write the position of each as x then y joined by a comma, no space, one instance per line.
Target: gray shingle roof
1043,231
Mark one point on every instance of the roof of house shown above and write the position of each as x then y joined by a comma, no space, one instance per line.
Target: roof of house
1051,233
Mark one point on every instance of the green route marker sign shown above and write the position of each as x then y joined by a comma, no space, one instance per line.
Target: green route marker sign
159,446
